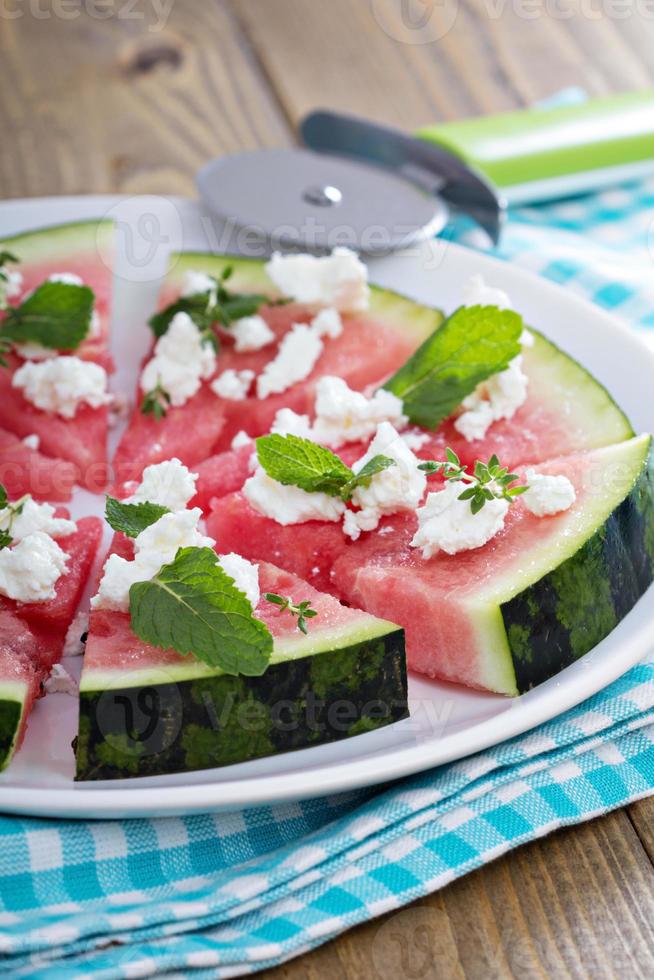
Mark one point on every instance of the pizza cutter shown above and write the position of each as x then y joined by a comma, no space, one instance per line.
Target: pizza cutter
377,189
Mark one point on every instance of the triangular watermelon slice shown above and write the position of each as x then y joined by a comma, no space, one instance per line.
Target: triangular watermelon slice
84,249
32,635
26,470
145,711
504,617
369,349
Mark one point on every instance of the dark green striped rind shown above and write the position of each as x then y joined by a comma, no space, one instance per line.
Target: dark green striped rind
566,613
221,720
10,715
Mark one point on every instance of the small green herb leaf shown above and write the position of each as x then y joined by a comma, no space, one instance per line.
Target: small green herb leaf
195,306
56,315
362,479
474,343
302,610
131,519
192,606
489,481
4,499
299,462
156,402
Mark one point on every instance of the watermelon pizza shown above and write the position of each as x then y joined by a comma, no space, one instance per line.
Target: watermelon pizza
321,483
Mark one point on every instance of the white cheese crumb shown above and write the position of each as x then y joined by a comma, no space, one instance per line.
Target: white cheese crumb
327,323
245,575
499,397
60,682
251,333
182,360
154,547
241,439
397,488
295,360
32,441
477,293
61,384
416,440
290,423
547,494
30,570
169,484
287,504
195,283
446,523
35,517
233,385
343,415
356,521
69,278
73,645
339,280
11,287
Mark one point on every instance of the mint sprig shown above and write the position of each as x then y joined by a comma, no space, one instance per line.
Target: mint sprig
131,519
56,315
489,481
474,343
192,606
298,462
302,610
218,305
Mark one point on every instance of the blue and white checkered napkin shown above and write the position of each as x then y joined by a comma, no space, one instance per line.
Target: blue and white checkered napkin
221,895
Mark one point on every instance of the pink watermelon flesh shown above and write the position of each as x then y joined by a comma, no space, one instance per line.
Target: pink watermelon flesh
112,645
32,635
364,354
81,440
382,574
24,470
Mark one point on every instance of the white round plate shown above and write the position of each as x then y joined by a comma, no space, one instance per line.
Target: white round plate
447,722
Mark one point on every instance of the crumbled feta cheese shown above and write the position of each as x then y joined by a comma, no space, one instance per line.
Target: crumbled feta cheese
30,570
416,440
547,494
32,441
245,575
11,286
295,360
68,278
34,517
169,484
61,384
290,505
328,323
477,293
251,333
60,682
35,352
241,439
233,385
446,523
182,360
73,644
154,547
196,283
339,280
356,521
343,415
290,423
499,397
398,488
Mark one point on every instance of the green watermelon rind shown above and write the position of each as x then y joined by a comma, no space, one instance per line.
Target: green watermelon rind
13,695
532,624
398,312
43,244
216,720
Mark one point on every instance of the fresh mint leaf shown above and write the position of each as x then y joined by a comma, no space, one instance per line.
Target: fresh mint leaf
131,519
192,606
474,343
196,307
56,315
362,479
301,463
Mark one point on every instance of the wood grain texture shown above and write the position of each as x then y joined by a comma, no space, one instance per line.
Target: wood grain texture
136,104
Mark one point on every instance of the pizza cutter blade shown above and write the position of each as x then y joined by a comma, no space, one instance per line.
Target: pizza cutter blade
356,184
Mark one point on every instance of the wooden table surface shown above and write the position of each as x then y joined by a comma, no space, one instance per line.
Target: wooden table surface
134,97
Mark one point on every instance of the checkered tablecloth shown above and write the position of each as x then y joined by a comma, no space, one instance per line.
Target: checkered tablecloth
222,895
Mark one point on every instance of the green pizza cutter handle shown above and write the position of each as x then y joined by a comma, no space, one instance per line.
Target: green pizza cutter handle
542,154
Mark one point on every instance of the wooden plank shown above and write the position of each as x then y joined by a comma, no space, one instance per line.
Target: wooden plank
579,903
121,105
